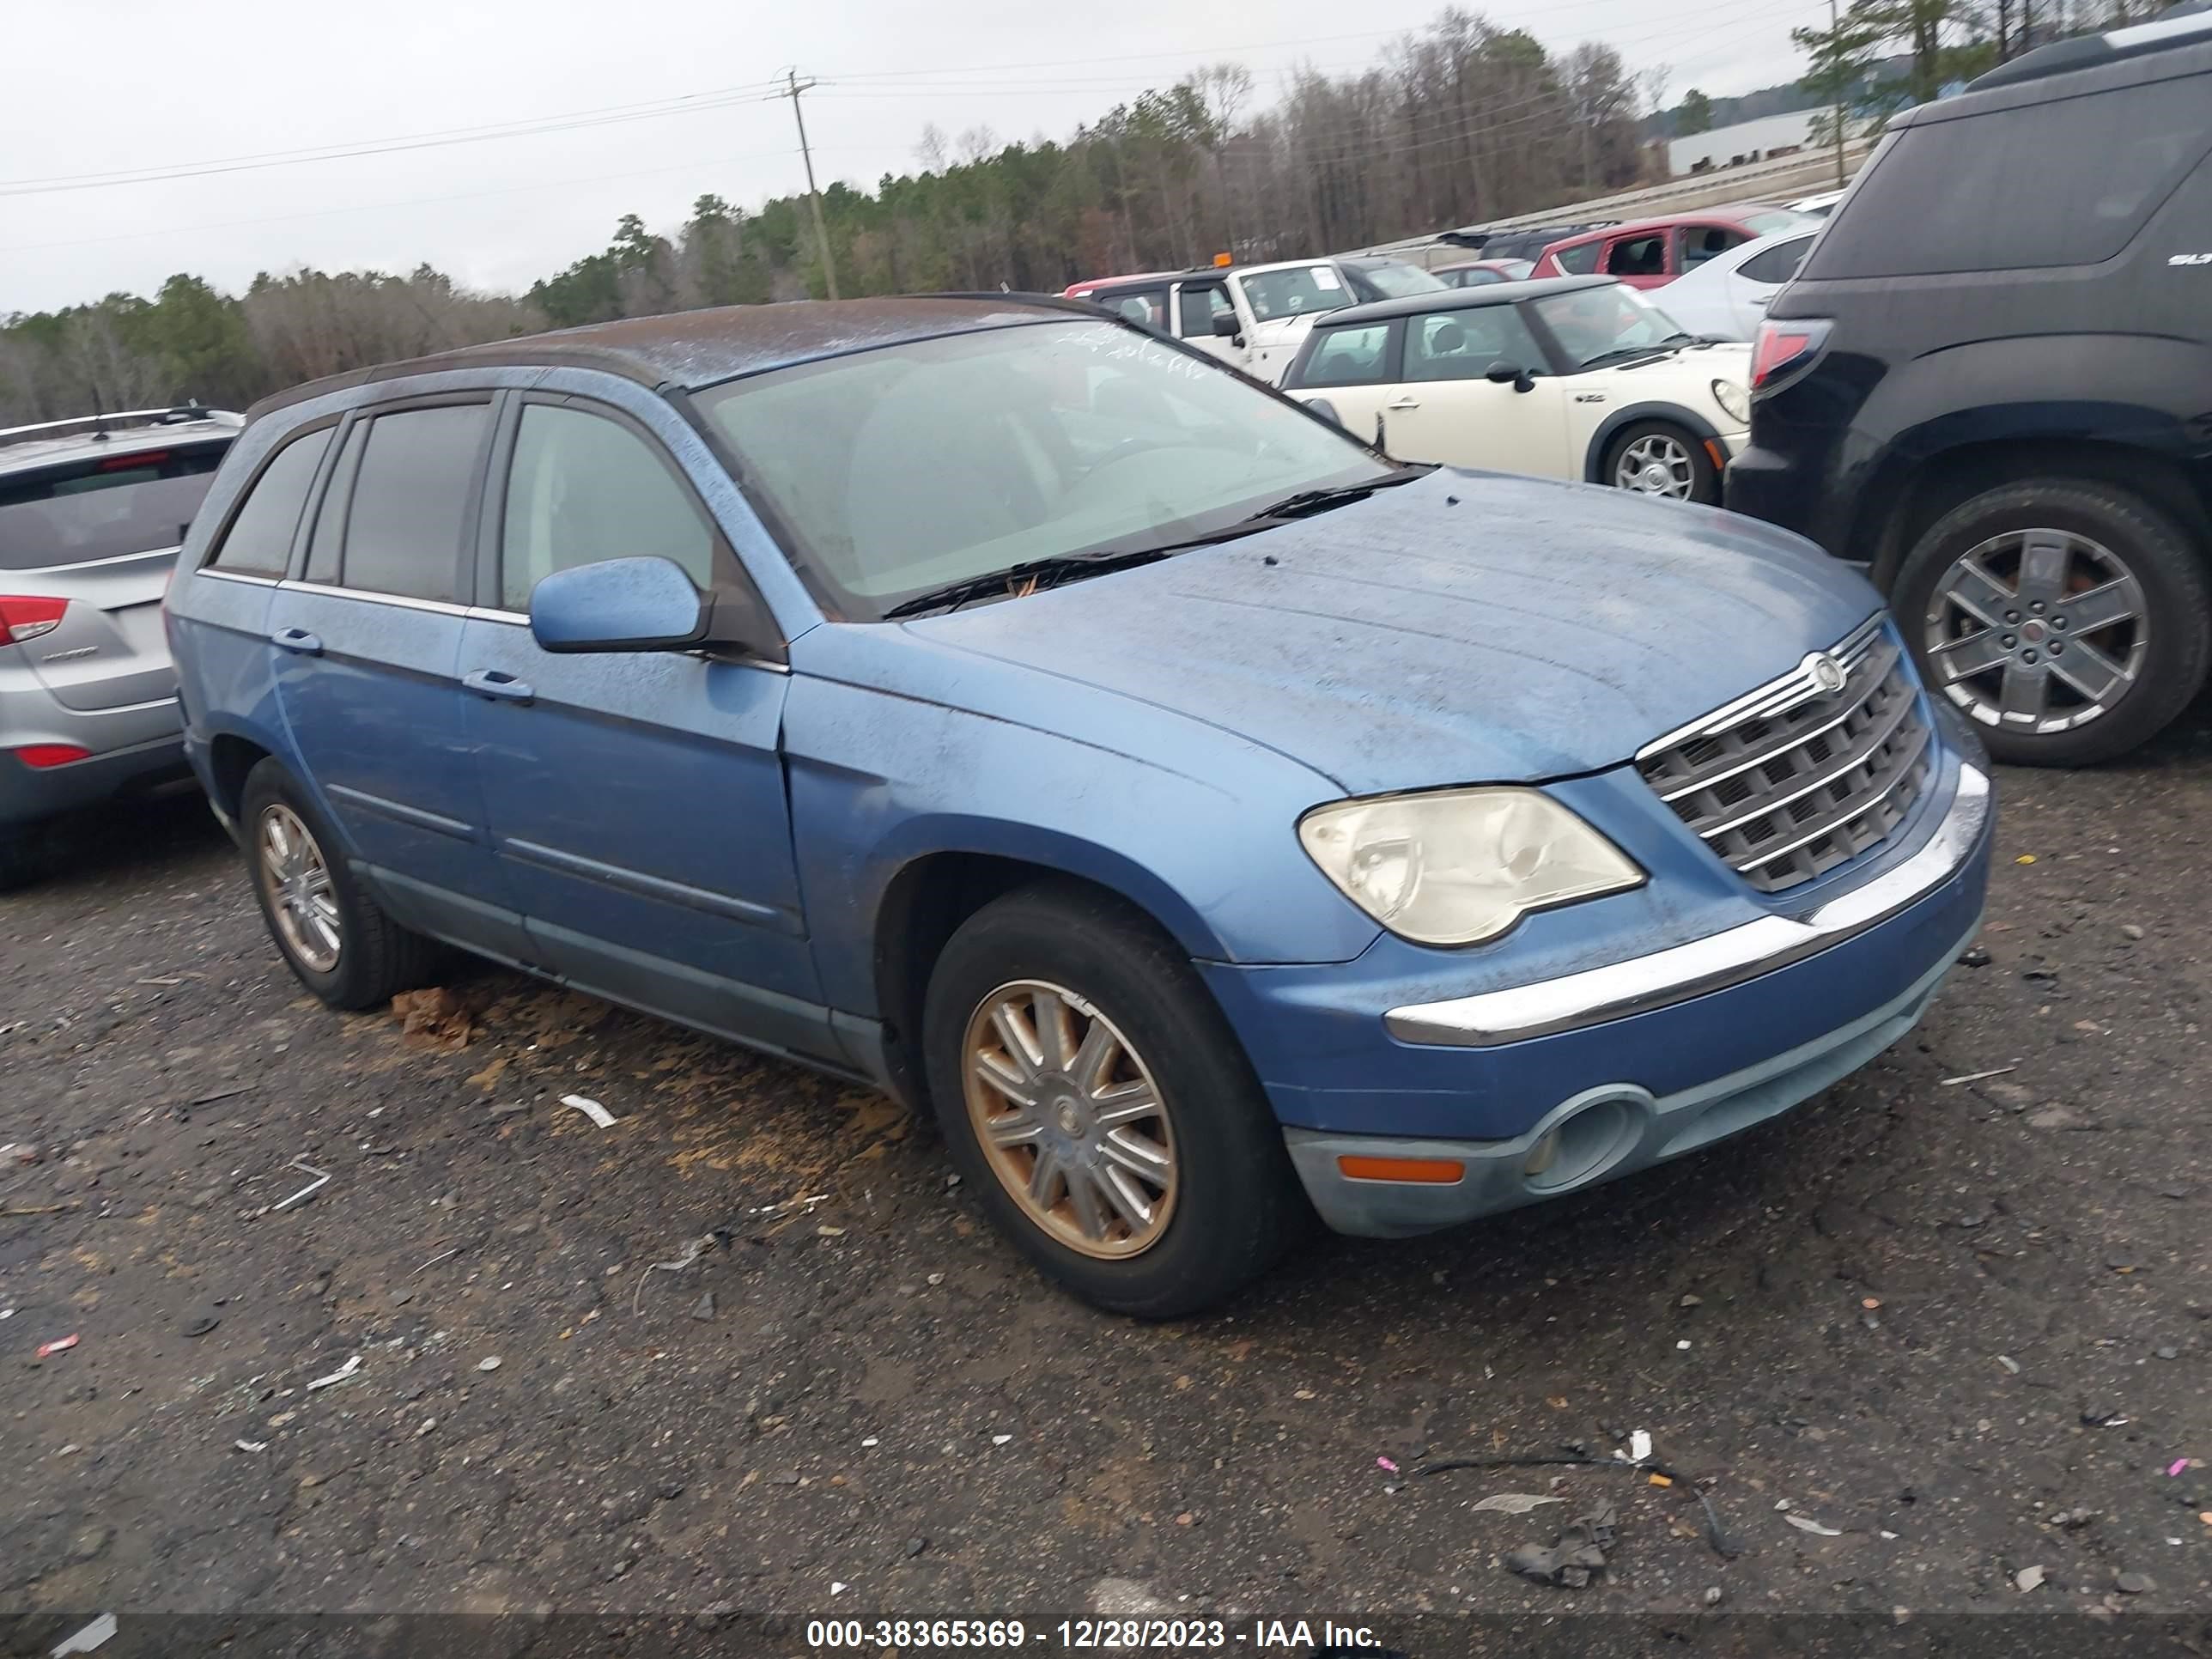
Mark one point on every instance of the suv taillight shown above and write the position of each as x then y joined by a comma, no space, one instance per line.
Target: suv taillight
1785,349
24,619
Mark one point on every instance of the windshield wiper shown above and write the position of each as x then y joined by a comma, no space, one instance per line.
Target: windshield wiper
1044,572
1305,502
1621,354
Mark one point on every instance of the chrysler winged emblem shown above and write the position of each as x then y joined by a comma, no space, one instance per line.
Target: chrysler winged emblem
1827,673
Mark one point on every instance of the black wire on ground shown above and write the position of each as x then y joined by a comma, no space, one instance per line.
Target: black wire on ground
1724,1545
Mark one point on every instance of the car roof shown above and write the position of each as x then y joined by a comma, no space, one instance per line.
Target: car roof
1731,213
2182,26
1460,299
689,350
23,449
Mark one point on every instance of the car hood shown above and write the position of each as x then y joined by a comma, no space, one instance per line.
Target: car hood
1466,627
1683,375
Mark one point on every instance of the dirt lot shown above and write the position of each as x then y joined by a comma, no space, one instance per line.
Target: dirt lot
1932,1316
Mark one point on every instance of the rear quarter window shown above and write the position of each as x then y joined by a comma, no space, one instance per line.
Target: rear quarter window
1580,260
2066,183
258,540
1346,356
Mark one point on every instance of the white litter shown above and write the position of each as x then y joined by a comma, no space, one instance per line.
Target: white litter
1639,1447
488,1363
1000,1439
1516,1503
251,1445
2010,1363
871,1441
7,1313
591,1109
99,1632
305,1192
837,1589
1807,1523
338,1375
1976,1077
2028,1577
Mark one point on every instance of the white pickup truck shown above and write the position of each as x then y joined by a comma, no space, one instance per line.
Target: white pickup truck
1255,316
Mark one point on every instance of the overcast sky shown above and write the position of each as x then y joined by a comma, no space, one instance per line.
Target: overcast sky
124,86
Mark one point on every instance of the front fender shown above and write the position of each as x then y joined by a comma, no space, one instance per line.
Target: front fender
1205,844
1658,410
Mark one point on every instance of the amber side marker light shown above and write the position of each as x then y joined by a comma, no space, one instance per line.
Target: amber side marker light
1435,1171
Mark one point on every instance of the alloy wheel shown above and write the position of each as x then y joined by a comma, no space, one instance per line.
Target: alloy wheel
1069,1118
297,880
1656,464
2037,630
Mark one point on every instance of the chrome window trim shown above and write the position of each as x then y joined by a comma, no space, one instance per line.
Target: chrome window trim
435,607
245,576
1713,963
94,564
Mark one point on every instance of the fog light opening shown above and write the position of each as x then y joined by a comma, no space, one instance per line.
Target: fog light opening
1582,1146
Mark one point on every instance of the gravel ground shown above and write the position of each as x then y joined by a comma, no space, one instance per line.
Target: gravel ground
1957,1327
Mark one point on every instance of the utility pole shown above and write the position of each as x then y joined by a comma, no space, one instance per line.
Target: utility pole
1835,43
793,86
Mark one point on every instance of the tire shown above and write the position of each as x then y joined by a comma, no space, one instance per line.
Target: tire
1703,482
1973,563
369,956
1234,1204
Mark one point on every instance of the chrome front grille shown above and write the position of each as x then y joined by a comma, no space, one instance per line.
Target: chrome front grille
1793,779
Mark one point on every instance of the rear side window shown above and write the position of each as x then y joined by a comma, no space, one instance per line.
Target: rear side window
1147,308
1637,255
329,534
259,540
1777,263
1346,356
1701,242
582,488
410,502
2068,183
1578,261
104,507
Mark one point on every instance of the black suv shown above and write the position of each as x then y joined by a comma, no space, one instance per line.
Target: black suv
1991,384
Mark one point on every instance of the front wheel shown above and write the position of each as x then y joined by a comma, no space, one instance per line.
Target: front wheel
1658,457
1094,1098
2070,621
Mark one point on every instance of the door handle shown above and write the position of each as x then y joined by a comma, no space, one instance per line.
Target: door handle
1403,403
494,683
297,639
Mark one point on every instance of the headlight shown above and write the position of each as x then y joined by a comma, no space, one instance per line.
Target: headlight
1734,400
1458,866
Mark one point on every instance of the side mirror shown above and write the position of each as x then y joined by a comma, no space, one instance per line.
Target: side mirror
622,604
1509,374
1326,410
1226,326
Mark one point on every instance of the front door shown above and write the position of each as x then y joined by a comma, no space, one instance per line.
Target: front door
366,654
1446,408
636,799
1198,307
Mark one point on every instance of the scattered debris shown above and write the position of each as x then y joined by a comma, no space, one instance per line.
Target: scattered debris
338,1375
2130,931
2025,858
2133,1584
704,1308
436,1259
872,1441
1578,1551
200,1323
221,1094
837,1589
591,1109
16,1152
428,1424
1976,957
1187,1518
1000,1439
1712,1595
161,980
36,1209
59,1345
1639,1447
1976,1077
1516,1503
697,1248
435,1018
98,1633
1691,1299
830,1232
7,1313
251,1445
2028,1578
2176,1467
488,1363
915,1546
2102,1416
2010,1363
2073,1520
1660,1480
1721,1544
1386,1466
305,1192
1807,1523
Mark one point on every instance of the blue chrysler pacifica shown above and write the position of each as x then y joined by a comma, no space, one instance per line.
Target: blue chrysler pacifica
1212,821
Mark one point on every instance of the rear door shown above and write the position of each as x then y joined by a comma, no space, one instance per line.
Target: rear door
1354,371
636,799
1197,307
101,534
1638,259
1695,244
367,649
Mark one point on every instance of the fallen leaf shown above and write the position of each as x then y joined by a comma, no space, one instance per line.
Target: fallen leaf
1807,1523
1516,1503
488,1078
2025,858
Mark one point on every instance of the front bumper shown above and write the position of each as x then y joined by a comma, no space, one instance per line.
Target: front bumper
1594,1073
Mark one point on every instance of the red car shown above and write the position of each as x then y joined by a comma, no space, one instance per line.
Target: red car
1652,252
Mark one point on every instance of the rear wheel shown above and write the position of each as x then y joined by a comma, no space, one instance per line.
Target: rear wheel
2071,622
330,932
1658,457
1095,1097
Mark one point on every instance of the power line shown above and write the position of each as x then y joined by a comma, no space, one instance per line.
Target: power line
792,87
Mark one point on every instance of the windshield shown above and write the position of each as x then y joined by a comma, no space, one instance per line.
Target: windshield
1297,292
1391,281
103,508
900,471
1774,219
1616,321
